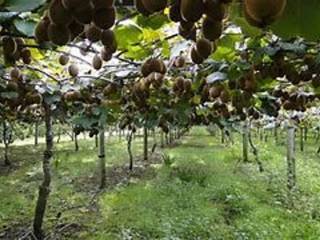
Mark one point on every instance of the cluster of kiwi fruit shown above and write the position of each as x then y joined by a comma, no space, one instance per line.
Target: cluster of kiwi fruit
182,86
261,13
189,12
25,93
66,20
14,50
298,101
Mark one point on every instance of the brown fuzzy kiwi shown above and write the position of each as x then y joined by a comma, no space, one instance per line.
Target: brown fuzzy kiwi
195,56
33,98
152,65
76,29
71,5
253,22
155,6
72,96
20,43
58,34
214,9
84,14
110,89
9,45
179,83
104,18
225,96
204,47
26,55
179,62
73,70
191,10
64,59
187,85
106,54
215,91
141,8
12,86
265,11
102,3
58,14
174,13
41,31
15,74
97,62
212,30
108,37
93,33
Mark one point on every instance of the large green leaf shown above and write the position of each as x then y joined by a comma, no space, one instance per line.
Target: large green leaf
25,26
23,5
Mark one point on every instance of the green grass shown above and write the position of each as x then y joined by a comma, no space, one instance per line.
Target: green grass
203,193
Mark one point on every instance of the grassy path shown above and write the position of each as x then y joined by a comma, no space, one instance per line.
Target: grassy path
204,194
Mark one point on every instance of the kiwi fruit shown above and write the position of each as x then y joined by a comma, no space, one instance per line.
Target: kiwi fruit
58,34
106,54
12,86
72,96
84,14
107,37
15,74
26,56
41,31
9,45
73,70
211,29
214,9
102,3
76,29
265,11
97,62
93,33
187,85
195,56
155,6
179,62
224,96
204,47
141,8
58,14
71,5
63,59
109,90
153,65
179,83
33,98
20,43
174,13
215,91
253,22
104,18
191,10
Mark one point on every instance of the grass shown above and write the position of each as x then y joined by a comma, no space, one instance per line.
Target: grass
202,192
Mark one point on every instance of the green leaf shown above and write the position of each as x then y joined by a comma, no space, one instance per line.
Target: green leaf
127,35
23,5
25,26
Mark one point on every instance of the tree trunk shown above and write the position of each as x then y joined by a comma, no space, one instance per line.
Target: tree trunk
145,143
291,163
255,152
96,140
301,139
76,143
130,151
305,134
36,133
6,142
161,139
222,136
102,157
245,142
44,189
